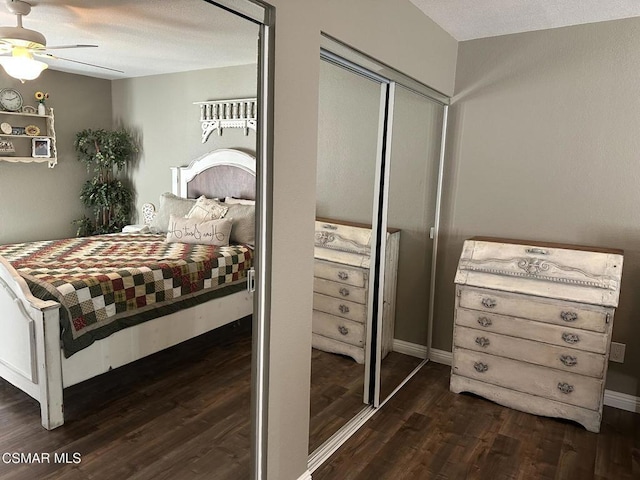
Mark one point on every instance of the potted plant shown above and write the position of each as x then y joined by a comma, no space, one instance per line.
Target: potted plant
106,153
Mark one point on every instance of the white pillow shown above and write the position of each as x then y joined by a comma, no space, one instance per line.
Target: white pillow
244,223
207,209
239,201
170,204
207,232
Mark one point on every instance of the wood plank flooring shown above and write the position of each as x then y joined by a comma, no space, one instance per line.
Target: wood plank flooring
183,414
426,432
337,385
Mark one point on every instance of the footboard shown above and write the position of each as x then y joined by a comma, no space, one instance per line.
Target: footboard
30,344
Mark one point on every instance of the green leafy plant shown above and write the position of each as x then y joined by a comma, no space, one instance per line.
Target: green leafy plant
106,153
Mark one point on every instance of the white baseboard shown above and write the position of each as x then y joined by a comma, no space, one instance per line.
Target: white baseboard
613,399
305,476
622,401
440,356
408,348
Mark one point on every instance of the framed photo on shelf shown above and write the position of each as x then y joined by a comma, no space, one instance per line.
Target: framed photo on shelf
40,147
6,146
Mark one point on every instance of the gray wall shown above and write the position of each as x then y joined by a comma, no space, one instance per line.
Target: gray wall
348,120
37,202
544,146
160,110
413,175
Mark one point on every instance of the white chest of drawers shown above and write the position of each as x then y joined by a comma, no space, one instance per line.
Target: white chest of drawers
341,288
533,323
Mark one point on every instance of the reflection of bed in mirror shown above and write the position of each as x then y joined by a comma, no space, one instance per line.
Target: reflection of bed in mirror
175,292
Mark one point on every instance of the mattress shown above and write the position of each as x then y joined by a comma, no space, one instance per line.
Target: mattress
108,282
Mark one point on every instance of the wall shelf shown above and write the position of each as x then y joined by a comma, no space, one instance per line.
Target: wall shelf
22,149
221,114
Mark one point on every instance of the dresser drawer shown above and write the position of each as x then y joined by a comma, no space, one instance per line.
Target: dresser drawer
524,377
340,307
535,308
340,290
531,330
538,353
340,273
338,328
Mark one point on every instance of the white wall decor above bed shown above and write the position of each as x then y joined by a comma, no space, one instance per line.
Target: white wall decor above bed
219,114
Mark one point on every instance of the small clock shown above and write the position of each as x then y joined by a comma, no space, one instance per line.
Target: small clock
10,100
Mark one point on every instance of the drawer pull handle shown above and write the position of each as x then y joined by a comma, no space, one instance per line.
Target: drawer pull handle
569,316
489,302
569,360
328,226
344,292
538,251
483,342
343,309
343,330
570,338
343,275
481,367
565,388
484,321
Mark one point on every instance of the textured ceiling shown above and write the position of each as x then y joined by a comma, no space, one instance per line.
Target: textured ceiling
470,19
140,37
149,37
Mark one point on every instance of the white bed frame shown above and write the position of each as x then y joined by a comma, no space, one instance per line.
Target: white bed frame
31,356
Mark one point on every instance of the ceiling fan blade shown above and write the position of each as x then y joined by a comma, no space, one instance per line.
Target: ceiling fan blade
60,47
55,57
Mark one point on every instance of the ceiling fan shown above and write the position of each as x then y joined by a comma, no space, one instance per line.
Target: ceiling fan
19,46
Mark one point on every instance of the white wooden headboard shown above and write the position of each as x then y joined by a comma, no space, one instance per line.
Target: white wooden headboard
220,173
217,174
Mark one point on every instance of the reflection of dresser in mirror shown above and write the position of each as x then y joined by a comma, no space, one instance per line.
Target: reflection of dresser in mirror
341,287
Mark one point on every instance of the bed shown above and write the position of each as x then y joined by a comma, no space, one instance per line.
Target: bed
33,353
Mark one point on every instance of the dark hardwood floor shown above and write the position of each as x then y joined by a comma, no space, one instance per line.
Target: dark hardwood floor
337,390
183,414
337,387
426,432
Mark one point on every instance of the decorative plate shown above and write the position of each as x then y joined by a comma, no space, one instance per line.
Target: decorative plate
6,128
29,109
32,130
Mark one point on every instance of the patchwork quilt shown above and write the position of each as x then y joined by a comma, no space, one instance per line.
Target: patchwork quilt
108,282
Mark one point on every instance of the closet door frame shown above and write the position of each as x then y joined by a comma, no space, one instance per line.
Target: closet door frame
383,225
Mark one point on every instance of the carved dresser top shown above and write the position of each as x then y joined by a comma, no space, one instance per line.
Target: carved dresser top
568,272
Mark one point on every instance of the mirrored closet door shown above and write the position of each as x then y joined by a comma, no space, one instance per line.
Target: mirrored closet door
351,113
378,187
411,187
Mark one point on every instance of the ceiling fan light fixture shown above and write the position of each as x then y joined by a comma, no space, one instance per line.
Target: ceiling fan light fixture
21,65
23,37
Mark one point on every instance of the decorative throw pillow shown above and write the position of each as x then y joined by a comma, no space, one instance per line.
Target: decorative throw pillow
244,223
170,204
202,232
240,201
207,209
